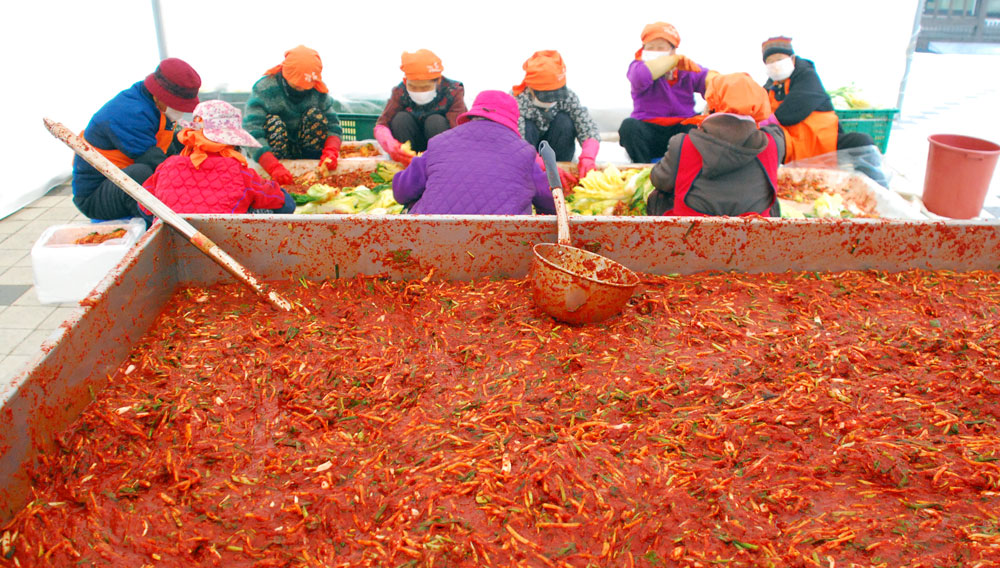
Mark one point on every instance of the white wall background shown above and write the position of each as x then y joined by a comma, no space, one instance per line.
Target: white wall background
64,59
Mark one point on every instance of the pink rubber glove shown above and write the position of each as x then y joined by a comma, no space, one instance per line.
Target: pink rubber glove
391,146
588,153
274,169
768,121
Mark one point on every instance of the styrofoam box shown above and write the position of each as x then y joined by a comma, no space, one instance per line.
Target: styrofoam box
67,272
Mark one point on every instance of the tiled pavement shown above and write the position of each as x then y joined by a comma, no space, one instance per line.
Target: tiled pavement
25,322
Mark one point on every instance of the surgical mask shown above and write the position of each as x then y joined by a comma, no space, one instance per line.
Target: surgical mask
649,55
780,69
542,105
173,114
422,97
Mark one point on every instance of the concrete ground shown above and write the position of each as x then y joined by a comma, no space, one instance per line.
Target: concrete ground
953,94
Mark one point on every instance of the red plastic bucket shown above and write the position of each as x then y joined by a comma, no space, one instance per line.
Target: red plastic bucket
959,169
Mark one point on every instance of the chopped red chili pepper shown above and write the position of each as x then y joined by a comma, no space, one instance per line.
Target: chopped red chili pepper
797,419
97,237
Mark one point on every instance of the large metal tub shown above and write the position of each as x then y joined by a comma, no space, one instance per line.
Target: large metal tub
75,363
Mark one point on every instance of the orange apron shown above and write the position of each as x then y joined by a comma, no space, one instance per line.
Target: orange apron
815,135
163,139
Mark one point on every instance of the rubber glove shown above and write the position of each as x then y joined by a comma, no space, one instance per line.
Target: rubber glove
588,153
331,153
768,121
274,169
566,179
391,146
662,65
685,64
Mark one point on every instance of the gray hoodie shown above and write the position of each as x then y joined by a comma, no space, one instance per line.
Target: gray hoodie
731,180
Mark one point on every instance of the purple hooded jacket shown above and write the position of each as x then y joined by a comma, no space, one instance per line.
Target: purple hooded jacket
659,99
477,168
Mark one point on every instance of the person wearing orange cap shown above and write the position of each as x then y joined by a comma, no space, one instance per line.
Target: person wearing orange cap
292,116
551,111
422,106
803,109
663,87
726,165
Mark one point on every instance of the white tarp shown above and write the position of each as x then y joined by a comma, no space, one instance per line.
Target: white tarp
65,59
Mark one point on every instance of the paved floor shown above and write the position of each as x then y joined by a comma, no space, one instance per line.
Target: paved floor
25,322
933,105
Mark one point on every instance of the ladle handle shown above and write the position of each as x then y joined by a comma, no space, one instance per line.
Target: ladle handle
552,171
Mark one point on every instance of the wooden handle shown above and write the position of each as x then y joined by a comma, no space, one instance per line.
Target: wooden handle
161,210
562,216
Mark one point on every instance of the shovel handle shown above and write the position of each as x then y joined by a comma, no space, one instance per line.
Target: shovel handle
164,212
552,171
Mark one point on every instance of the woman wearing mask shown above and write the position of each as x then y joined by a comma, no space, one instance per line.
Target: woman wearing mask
291,115
422,106
663,88
135,131
801,105
552,112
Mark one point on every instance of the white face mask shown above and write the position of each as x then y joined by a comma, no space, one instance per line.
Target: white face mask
649,55
173,114
540,104
780,69
422,97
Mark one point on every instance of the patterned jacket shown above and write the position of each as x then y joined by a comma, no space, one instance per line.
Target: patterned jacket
220,185
582,121
450,101
269,96
477,168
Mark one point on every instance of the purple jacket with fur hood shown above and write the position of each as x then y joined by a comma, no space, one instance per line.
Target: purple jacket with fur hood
477,168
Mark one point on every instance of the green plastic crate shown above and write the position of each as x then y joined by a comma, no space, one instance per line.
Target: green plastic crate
357,126
875,122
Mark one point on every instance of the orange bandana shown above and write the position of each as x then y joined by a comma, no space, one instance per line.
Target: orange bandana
738,93
661,30
543,71
302,68
197,147
421,65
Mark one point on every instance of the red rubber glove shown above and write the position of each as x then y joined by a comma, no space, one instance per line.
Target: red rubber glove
274,169
391,146
588,153
568,180
331,153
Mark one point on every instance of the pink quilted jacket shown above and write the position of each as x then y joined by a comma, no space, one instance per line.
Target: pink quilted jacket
220,185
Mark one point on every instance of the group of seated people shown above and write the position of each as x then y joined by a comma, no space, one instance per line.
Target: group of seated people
482,160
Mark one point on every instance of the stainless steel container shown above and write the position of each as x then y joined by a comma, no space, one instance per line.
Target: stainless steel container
74,365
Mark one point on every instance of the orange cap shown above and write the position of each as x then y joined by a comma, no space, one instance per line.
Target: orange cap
543,71
421,65
302,68
738,93
661,30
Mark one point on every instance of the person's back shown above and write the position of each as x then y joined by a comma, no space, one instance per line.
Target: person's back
211,174
218,185
727,166
733,178
480,168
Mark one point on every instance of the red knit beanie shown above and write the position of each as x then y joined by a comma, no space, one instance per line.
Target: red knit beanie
175,83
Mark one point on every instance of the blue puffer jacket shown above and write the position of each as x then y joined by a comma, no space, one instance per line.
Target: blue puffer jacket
128,123
477,168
